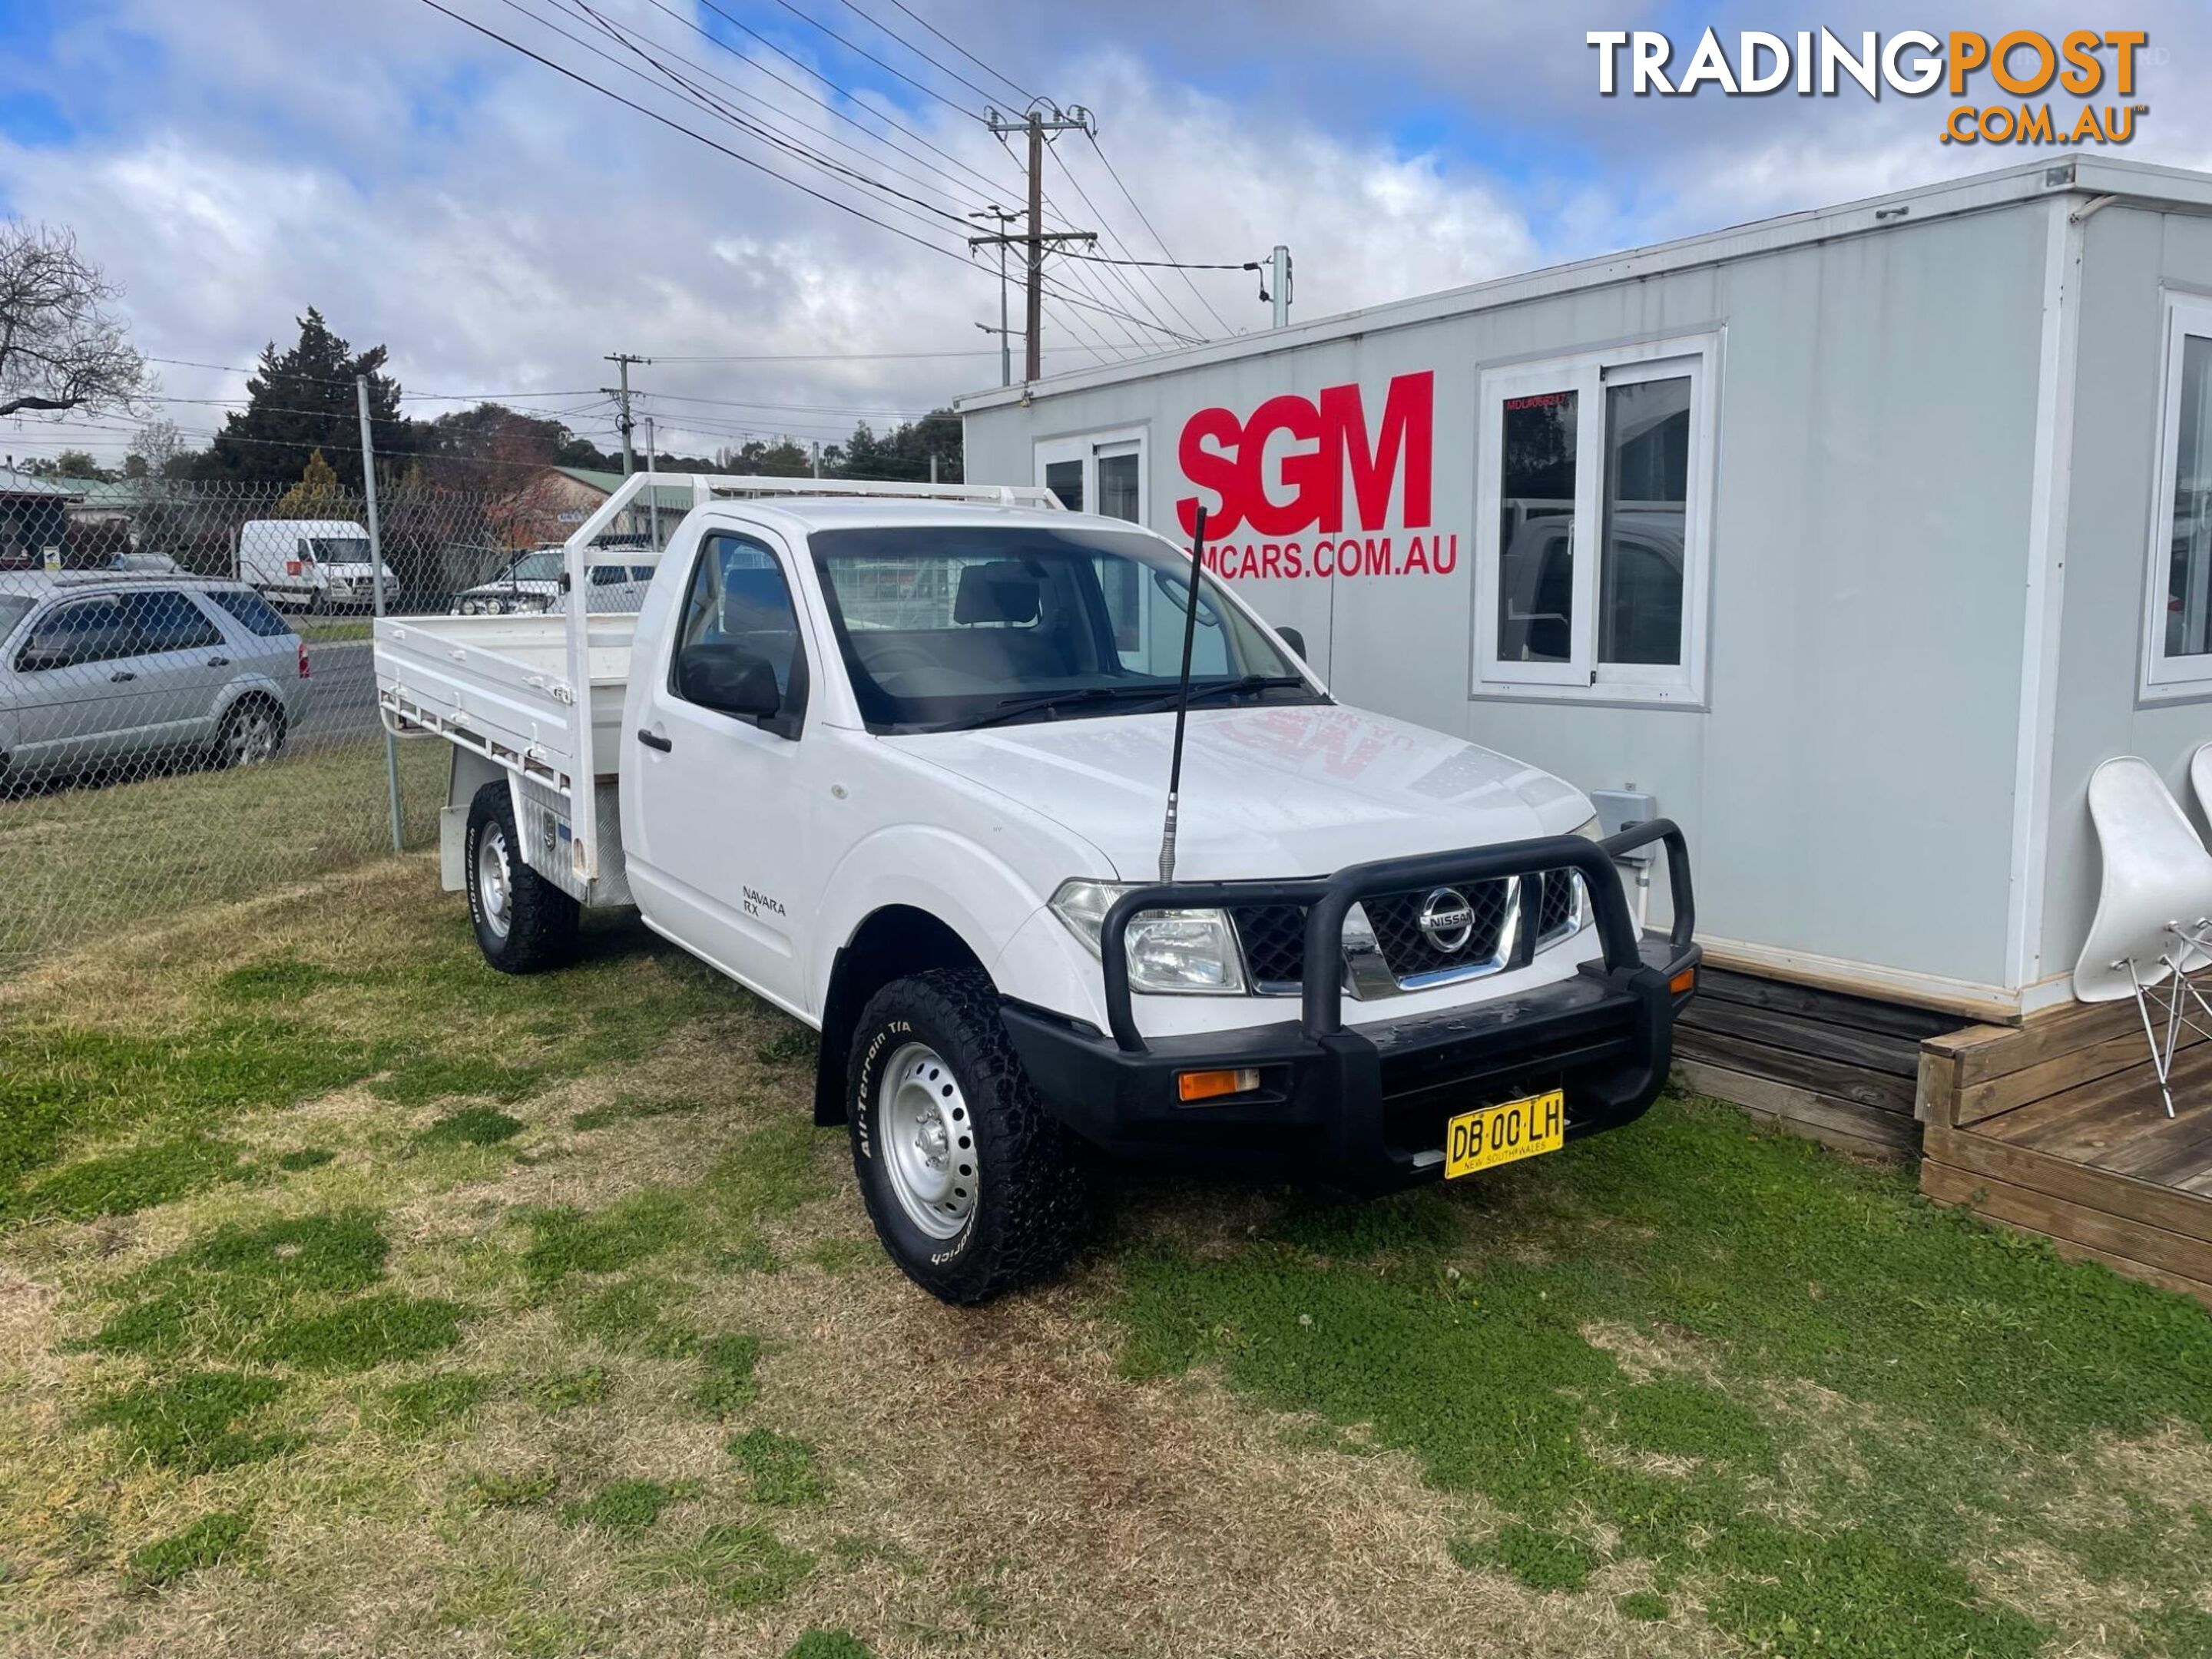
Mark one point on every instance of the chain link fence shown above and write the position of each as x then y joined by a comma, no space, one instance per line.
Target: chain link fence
187,695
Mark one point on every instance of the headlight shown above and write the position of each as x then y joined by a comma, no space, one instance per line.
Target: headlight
1175,952
1589,831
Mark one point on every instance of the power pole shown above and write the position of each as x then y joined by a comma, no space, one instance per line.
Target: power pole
622,361
1275,273
1036,123
1005,333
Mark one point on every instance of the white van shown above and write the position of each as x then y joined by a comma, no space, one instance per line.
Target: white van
321,564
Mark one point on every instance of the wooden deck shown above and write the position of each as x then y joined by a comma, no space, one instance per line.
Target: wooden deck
2055,1128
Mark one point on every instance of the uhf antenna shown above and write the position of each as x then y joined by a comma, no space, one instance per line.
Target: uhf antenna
1182,699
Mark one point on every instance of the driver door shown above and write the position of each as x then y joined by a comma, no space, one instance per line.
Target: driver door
724,803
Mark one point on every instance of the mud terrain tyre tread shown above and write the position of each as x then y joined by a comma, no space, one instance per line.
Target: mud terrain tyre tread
1033,1199
543,921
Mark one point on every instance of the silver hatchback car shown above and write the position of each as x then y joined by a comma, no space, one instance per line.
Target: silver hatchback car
111,673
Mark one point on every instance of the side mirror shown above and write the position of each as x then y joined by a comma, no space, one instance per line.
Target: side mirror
1294,640
728,679
34,658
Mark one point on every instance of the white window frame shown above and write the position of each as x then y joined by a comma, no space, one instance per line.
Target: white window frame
2164,679
1582,678
1087,447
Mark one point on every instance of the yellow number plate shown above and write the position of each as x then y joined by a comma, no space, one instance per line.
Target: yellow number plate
1499,1134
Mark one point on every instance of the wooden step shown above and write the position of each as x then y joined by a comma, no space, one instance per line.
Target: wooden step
2121,1238
1846,1125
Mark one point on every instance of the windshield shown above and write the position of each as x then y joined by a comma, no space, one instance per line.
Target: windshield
543,566
14,607
956,626
340,549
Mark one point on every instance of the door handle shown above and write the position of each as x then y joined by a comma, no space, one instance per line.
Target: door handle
654,740
218,662
121,675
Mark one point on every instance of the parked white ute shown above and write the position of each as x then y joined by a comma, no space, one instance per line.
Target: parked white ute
894,759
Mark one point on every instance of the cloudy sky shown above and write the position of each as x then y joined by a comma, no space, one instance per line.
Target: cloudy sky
500,226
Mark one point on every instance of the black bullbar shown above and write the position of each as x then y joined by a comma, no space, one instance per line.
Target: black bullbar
1364,1108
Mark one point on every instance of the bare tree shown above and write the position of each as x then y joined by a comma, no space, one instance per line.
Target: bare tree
59,347
158,451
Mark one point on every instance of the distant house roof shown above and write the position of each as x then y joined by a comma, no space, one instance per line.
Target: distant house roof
14,481
670,498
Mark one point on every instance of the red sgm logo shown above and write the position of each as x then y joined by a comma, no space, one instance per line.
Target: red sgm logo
1288,474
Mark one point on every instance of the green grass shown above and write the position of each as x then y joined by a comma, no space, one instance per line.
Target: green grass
138,1178
1454,1325
1542,1560
779,1470
363,1333
567,1241
418,1408
631,1315
85,862
59,1082
428,1076
569,1389
725,1374
1692,1374
209,1541
472,1126
621,1506
143,1109
196,1423
829,1644
742,1565
295,1292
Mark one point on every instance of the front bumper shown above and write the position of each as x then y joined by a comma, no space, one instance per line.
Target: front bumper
1365,1107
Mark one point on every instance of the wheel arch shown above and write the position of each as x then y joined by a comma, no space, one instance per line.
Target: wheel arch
250,688
891,942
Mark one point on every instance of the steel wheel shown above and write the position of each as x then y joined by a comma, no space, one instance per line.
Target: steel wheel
250,737
494,882
928,1140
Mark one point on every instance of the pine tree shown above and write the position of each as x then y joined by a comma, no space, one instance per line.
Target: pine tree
301,400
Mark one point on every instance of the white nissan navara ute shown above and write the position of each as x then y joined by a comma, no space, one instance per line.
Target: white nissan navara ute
894,759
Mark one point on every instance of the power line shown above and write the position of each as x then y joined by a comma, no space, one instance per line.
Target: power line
1026,95
1129,286
708,104
566,73
582,80
345,380
1164,265
1147,223
1042,198
803,409
851,121
826,356
926,91
941,68
774,111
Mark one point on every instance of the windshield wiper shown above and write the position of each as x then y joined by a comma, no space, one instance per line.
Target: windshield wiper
1250,685
1014,707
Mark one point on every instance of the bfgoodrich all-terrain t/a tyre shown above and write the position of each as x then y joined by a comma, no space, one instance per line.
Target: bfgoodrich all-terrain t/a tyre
973,1188
523,922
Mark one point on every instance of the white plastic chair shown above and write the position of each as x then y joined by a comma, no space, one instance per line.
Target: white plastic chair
2153,920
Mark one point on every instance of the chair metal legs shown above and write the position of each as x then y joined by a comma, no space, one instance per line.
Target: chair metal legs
2179,994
